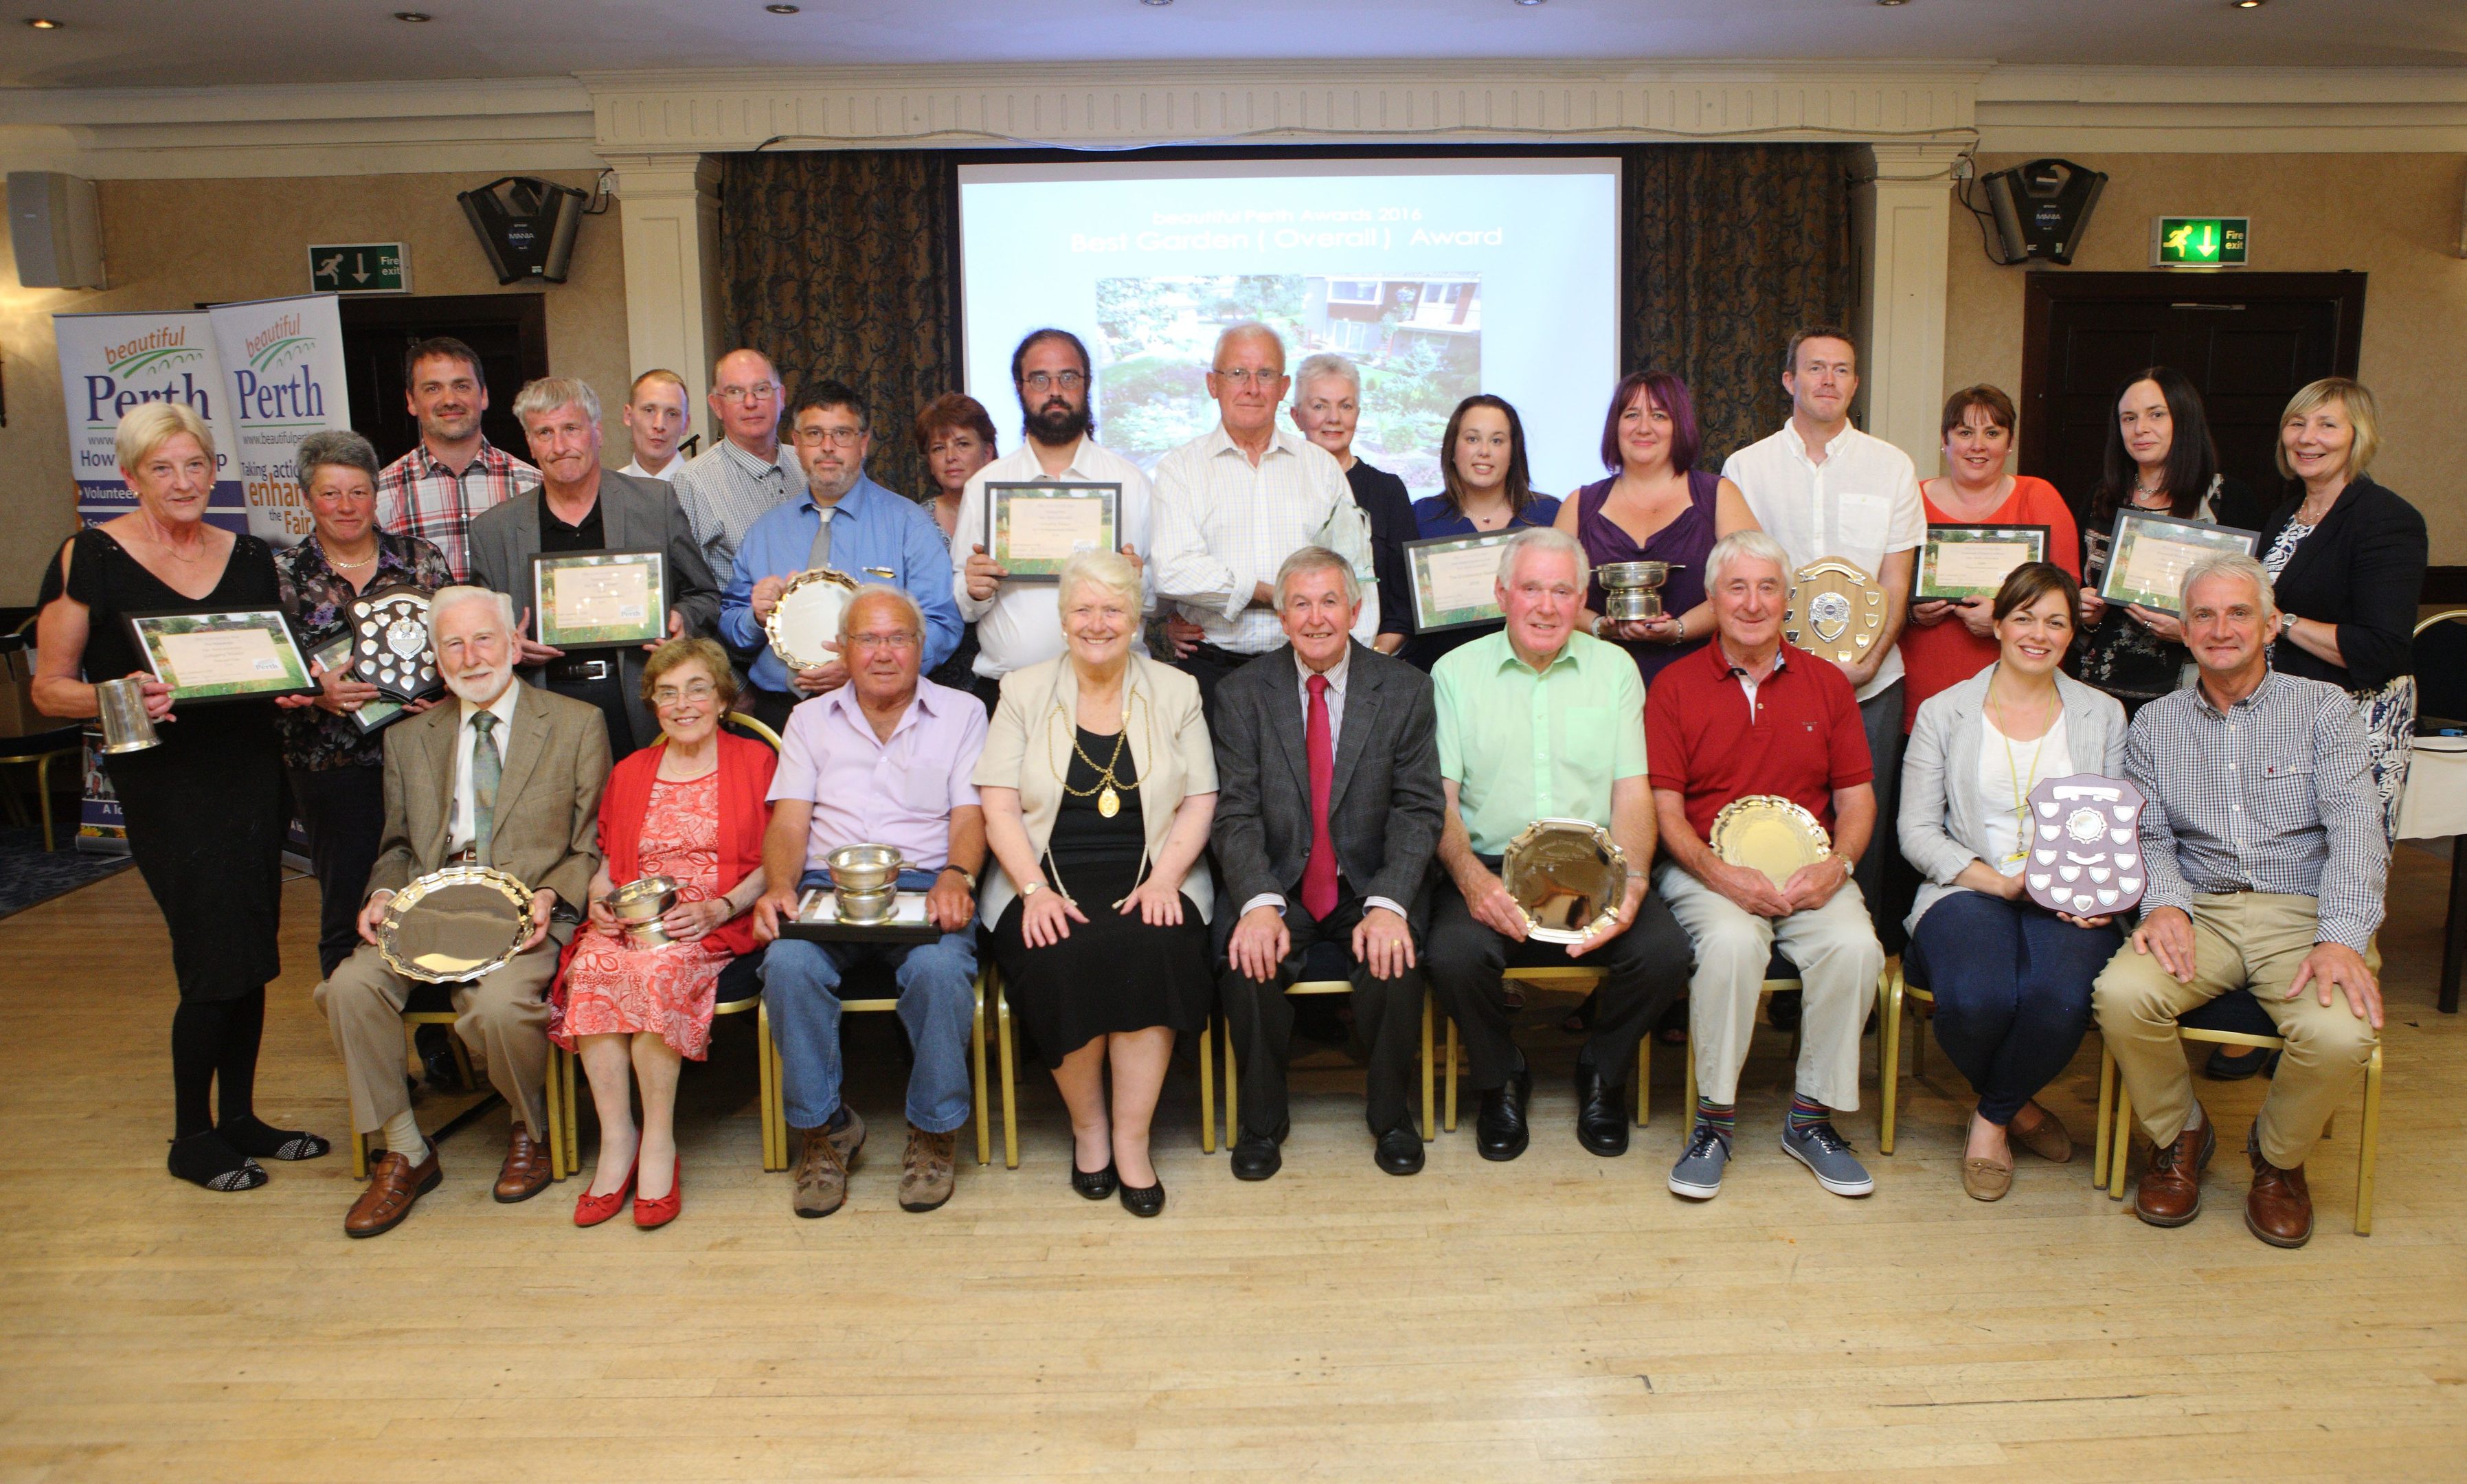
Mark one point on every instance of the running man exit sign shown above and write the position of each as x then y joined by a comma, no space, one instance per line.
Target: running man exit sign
359,268
2198,241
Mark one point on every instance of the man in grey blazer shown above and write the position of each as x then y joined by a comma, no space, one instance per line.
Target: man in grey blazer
581,506
502,775
1328,809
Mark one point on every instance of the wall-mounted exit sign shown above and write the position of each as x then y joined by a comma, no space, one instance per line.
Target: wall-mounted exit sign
2198,241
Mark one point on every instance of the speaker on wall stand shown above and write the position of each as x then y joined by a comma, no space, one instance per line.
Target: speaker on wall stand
55,228
2042,208
525,225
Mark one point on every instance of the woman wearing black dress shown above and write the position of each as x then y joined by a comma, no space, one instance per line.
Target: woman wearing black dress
1098,782
204,809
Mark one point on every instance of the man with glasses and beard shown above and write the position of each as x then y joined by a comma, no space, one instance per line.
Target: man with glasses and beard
1017,622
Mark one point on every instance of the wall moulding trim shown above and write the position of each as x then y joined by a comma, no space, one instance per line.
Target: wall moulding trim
2229,110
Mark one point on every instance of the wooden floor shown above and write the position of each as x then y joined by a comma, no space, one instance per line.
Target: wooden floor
1560,1317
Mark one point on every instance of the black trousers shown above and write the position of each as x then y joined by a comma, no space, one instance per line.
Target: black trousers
1647,965
771,708
1209,665
343,811
597,680
1386,1014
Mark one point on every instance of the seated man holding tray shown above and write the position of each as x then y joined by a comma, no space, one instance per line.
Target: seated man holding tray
1541,722
884,760
1753,720
843,521
505,776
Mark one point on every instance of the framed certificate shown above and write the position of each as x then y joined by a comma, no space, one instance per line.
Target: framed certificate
2149,553
336,654
1973,561
210,655
1455,580
1033,528
598,599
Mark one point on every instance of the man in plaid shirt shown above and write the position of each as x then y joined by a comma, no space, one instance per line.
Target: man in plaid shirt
453,473
2262,841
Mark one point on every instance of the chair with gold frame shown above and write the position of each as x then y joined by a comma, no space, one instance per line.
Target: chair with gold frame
421,1009
989,992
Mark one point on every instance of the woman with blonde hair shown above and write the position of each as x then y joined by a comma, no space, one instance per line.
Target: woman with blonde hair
1098,782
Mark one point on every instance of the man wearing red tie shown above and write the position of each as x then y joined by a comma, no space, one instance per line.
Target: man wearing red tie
1328,809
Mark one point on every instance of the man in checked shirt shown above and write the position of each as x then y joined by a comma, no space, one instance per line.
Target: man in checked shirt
2263,843
453,473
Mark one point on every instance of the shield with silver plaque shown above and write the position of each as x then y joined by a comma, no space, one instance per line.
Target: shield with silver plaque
1568,878
2084,839
1835,612
389,643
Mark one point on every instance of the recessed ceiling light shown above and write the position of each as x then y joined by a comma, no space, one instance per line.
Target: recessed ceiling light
43,23
1159,4
413,17
1528,2
781,10
1893,2
2248,4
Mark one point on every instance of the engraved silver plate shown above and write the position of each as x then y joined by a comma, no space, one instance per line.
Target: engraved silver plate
1767,833
806,618
454,924
1567,876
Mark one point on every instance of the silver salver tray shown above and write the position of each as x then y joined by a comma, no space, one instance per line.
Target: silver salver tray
818,918
1767,833
1568,878
806,618
458,923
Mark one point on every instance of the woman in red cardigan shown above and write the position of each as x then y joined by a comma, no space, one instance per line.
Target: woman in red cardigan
690,806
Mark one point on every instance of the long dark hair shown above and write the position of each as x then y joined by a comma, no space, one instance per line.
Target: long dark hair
2192,459
1668,392
1520,480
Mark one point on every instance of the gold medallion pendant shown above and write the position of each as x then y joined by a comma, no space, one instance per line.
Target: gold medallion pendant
1109,803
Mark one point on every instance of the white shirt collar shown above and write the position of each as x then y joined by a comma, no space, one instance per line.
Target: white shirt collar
502,708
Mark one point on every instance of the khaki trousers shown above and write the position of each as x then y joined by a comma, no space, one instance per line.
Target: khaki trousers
1839,959
503,1017
2250,941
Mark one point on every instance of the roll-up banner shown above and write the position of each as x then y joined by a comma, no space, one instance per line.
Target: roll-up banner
110,363
285,357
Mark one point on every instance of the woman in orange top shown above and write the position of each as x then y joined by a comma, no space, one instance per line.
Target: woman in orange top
1946,642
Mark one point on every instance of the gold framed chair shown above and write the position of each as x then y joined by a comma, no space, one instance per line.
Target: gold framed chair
1574,978
1898,989
774,1110
989,989
556,1094
1233,1070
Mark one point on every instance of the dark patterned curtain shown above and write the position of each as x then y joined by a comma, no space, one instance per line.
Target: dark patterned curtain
1730,249
837,262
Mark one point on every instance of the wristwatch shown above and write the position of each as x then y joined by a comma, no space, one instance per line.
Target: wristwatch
966,876
1029,889
2286,624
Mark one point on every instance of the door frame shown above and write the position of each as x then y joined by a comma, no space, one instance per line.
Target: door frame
2043,292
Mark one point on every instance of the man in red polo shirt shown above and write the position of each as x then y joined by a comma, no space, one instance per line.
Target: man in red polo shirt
1749,714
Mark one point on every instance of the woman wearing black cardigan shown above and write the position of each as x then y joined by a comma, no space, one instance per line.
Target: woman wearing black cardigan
2346,560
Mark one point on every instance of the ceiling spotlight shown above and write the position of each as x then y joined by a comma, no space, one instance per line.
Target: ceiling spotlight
2248,4
781,10
1893,2
1528,2
43,23
413,17
1159,4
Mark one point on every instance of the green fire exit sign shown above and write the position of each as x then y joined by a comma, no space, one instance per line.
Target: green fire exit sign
359,268
2198,241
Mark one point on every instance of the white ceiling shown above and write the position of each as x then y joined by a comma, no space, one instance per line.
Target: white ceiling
153,43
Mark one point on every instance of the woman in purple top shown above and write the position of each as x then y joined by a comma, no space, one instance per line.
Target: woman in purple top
1657,507
1486,487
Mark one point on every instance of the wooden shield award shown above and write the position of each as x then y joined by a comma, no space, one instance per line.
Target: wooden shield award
1767,833
807,617
1835,612
389,643
2085,845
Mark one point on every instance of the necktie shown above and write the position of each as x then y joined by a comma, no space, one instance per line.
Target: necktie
1319,871
821,555
486,768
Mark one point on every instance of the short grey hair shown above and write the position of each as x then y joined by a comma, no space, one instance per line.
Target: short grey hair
1247,329
1541,539
881,592
340,447
548,394
2230,564
1748,545
460,593
1320,364
1316,559
1109,570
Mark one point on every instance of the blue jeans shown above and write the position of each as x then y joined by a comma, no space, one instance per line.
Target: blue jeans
2012,986
937,982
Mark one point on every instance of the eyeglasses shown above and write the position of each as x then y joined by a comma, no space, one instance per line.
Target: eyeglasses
836,437
1040,382
1245,376
694,691
749,394
895,643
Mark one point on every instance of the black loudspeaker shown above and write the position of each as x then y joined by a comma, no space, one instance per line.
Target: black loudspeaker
2042,208
525,225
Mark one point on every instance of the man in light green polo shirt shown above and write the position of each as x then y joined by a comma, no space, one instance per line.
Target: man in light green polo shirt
1540,721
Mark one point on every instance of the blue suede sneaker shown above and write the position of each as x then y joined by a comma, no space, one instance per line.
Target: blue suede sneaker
1698,1174
1824,1153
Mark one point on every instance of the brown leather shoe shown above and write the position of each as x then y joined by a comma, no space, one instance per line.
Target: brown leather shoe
525,1172
925,1175
395,1185
822,1174
2047,1138
2170,1193
2279,1209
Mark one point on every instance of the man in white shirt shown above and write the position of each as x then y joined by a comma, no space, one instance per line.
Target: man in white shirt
1018,623
1231,505
1822,489
655,419
726,489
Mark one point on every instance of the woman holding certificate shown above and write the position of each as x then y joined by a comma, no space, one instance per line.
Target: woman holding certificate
1098,782
204,807
1486,489
1952,636
2011,979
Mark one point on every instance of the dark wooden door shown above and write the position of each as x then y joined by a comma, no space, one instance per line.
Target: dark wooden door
510,331
2246,341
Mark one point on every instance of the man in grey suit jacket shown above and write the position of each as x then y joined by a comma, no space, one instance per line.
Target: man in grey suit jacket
582,507
1328,809
503,775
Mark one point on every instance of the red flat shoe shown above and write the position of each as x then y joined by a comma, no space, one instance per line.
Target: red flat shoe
590,1210
650,1213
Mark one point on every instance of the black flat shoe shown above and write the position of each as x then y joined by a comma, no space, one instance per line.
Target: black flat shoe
1401,1151
1095,1184
1601,1114
1500,1131
1257,1157
1144,1200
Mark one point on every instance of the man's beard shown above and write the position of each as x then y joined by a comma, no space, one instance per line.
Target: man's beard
1057,425
482,687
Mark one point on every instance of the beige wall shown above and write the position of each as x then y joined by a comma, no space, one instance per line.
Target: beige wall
2394,216
175,243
